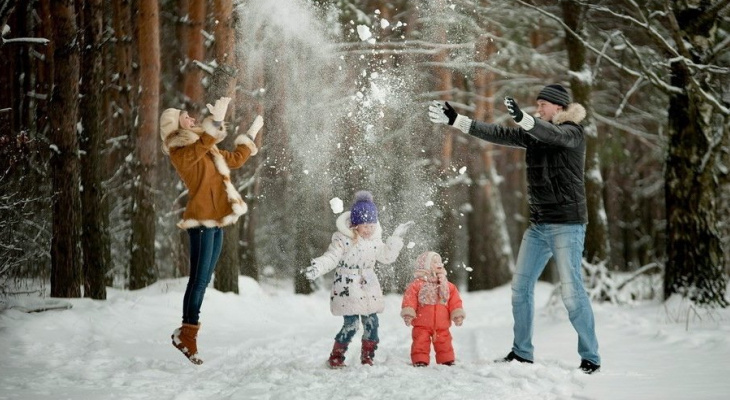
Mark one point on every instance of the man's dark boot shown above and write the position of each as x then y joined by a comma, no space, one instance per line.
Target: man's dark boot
512,356
589,367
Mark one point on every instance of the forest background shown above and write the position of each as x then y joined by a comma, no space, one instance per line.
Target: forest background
89,201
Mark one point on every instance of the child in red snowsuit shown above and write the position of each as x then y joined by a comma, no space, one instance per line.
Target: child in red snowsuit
430,303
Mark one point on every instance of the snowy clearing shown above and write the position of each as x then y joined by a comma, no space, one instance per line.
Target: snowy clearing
268,343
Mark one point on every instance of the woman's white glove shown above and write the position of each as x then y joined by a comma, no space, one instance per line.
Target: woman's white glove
258,122
218,111
401,229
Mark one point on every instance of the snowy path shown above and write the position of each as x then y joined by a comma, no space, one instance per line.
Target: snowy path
270,344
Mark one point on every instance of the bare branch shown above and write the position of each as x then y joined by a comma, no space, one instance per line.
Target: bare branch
559,20
646,269
627,95
649,72
643,137
655,35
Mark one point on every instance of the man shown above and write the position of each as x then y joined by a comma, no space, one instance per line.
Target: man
555,156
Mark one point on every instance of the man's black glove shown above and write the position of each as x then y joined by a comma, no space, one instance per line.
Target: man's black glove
442,113
513,109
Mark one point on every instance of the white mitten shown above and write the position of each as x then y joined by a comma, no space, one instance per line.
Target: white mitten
401,229
256,126
311,272
218,111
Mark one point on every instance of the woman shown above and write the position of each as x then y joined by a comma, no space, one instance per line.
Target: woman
213,201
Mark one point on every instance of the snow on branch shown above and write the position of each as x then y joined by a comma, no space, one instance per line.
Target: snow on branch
711,68
404,47
644,23
711,99
656,80
587,45
209,68
627,95
643,137
31,40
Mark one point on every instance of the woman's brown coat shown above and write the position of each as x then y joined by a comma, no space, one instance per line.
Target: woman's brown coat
213,201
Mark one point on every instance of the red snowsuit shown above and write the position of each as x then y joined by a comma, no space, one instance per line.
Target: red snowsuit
431,323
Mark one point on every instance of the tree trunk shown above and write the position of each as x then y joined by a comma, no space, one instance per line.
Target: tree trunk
444,85
696,261
95,211
143,271
695,264
224,84
66,259
490,253
250,263
43,71
23,85
7,77
597,245
123,78
193,85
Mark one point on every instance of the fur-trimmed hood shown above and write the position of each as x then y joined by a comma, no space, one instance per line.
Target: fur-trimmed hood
575,112
344,227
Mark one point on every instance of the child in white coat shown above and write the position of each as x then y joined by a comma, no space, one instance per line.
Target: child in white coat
356,293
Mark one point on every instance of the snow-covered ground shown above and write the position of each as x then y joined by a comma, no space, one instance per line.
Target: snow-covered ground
268,343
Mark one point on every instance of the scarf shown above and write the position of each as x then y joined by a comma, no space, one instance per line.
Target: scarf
435,290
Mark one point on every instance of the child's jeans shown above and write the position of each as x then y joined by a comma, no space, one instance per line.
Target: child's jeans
349,328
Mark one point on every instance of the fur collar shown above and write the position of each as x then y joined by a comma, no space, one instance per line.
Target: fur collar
575,113
344,227
181,138
186,137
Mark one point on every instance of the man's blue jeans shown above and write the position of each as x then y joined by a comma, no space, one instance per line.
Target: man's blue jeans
349,328
564,242
205,248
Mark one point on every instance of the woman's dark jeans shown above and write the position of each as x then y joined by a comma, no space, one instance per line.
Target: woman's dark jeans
205,248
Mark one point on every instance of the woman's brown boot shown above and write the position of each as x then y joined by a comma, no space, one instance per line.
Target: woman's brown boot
185,339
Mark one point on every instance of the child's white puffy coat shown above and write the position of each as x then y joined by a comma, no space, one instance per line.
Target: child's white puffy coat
356,289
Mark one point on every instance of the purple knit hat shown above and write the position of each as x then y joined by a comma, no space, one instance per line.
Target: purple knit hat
363,211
